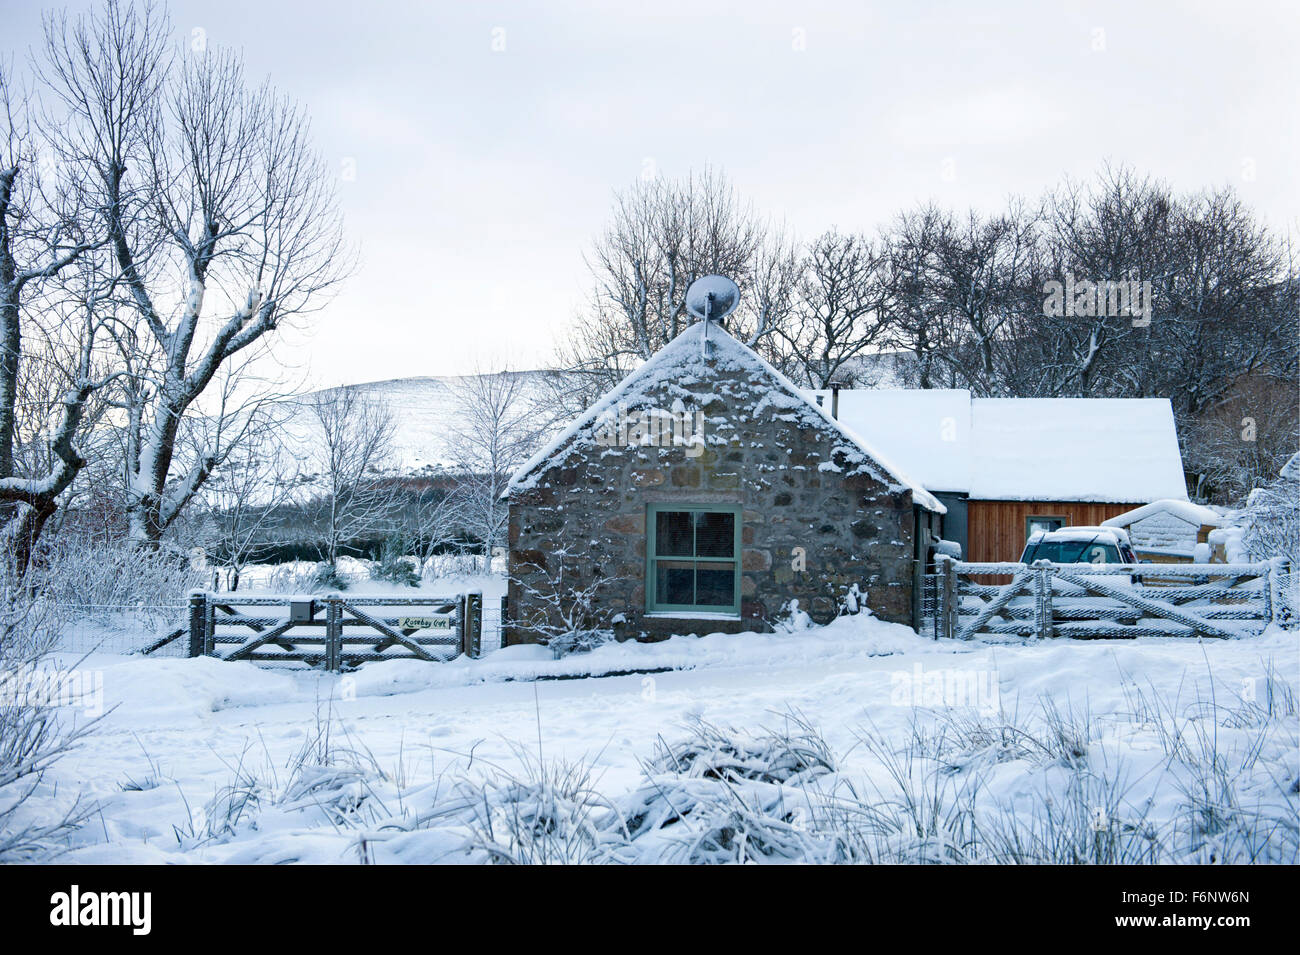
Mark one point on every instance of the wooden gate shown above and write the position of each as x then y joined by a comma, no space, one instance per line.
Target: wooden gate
1092,601
335,631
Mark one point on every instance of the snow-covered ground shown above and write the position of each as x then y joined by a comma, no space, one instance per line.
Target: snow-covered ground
1156,749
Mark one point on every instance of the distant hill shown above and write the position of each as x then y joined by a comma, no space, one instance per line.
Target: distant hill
424,408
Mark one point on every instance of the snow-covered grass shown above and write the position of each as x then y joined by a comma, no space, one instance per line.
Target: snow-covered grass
854,742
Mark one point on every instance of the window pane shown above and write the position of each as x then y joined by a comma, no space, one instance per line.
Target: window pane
1046,524
673,533
1076,552
715,534
675,582
715,584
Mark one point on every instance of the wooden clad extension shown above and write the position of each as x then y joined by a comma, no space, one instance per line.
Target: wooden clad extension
996,529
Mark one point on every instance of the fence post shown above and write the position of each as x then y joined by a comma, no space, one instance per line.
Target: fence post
949,610
505,610
198,618
209,627
1276,608
462,624
474,611
333,634
1043,624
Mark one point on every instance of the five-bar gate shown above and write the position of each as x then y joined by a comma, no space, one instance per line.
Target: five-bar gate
335,631
1092,601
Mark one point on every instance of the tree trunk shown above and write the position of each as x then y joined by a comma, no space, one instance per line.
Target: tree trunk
144,524
21,531
10,348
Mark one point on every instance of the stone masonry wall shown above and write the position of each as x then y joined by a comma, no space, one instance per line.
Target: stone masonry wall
583,517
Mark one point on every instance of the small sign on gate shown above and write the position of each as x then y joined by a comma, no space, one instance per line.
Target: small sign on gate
424,623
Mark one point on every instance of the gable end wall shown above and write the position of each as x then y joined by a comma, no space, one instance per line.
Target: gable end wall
584,516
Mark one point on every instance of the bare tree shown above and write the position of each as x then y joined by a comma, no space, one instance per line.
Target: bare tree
353,440
55,305
433,521
248,499
1228,308
1242,441
221,220
918,322
840,313
663,235
1119,228
494,431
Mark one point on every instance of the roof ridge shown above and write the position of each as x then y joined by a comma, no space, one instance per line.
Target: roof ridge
693,336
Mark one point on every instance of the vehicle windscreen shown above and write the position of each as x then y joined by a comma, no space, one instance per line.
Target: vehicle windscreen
1074,552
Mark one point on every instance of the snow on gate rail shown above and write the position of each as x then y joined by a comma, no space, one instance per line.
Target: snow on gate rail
1091,601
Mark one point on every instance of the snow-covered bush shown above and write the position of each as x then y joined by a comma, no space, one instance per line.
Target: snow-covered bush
232,807
328,577
704,822
790,756
295,577
571,617
853,601
393,566
452,565
86,579
792,619
578,641
116,574
333,778
1271,525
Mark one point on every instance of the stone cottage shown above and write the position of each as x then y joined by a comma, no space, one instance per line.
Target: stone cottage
705,493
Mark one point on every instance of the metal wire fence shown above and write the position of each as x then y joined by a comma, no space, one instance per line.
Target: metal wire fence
492,635
931,595
118,628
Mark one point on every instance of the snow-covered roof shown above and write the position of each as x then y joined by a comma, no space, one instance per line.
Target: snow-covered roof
1118,450
682,363
1167,527
926,431
1075,449
1197,514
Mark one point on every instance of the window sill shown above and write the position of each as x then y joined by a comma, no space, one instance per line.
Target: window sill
691,615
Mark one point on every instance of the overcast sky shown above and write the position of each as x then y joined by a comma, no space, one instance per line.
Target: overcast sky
481,174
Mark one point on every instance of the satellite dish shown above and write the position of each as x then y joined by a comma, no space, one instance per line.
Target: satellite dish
712,297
